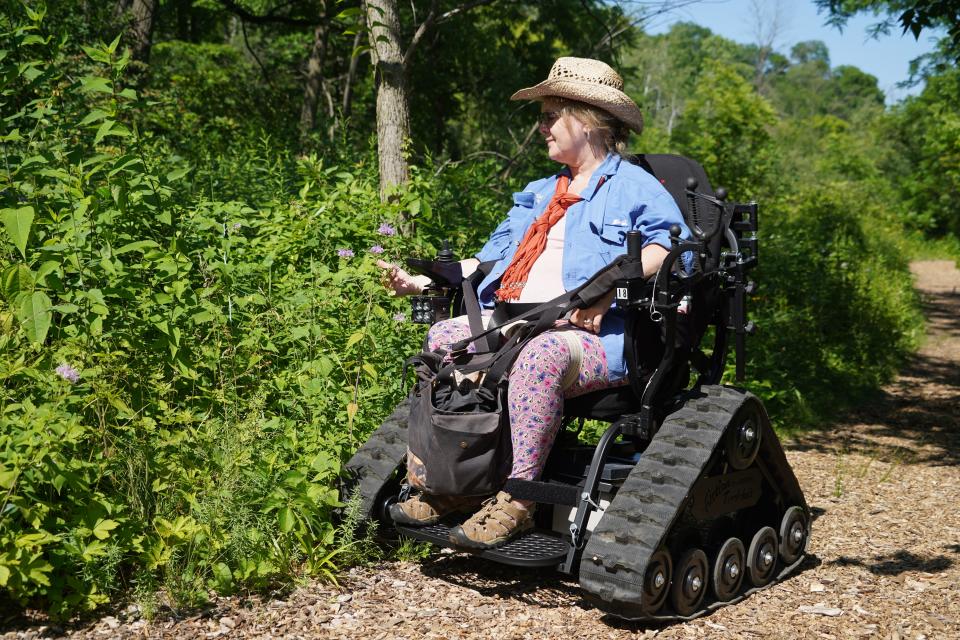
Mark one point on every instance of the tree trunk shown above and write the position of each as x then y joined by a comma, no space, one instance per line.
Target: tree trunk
674,112
311,88
351,76
393,110
141,28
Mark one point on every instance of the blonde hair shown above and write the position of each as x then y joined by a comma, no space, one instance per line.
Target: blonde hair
607,133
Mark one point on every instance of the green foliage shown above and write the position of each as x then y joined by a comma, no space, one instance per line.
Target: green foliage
927,170
181,376
835,307
726,127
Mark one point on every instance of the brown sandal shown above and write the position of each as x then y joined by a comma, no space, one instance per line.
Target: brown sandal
500,519
423,509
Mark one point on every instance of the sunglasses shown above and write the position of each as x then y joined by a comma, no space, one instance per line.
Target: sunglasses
547,118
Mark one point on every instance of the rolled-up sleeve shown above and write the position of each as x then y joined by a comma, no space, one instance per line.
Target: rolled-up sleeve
656,217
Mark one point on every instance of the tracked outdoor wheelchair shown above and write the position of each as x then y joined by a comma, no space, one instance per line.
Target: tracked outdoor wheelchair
687,502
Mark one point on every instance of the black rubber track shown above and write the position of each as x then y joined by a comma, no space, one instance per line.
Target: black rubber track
373,466
639,518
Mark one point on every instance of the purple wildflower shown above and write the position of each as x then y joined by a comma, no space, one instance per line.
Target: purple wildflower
386,229
236,226
345,253
68,373
399,317
376,249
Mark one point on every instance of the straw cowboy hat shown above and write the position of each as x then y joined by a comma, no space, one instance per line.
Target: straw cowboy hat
589,81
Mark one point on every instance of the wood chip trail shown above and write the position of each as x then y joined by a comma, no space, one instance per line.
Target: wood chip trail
884,561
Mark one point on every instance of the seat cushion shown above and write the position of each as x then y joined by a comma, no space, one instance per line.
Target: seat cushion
606,404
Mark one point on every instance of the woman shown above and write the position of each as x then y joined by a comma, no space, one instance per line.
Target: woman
561,230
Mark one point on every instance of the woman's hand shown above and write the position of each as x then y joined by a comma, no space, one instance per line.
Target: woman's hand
401,282
590,318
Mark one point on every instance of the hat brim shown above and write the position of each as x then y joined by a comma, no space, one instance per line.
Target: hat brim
611,100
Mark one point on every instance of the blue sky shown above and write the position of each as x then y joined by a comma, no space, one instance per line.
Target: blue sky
887,58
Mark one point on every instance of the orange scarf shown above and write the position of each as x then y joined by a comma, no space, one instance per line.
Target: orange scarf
534,242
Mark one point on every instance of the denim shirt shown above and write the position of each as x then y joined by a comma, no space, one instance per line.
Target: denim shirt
596,231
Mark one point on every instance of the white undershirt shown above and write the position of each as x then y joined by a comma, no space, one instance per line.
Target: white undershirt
545,280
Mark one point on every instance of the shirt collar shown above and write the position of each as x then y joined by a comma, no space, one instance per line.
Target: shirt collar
606,169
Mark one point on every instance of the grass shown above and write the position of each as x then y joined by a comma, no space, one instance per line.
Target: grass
919,248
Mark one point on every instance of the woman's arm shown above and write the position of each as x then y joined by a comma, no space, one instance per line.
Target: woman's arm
404,284
591,318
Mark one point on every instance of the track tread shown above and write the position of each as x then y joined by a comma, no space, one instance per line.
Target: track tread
640,516
374,463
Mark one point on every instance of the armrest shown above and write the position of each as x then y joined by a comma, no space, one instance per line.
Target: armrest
443,273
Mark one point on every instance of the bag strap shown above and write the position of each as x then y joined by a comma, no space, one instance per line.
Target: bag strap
589,292
551,311
474,316
498,362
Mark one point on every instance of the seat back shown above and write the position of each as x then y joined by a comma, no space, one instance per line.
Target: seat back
673,172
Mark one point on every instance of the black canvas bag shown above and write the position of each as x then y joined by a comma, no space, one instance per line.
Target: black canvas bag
459,432
459,427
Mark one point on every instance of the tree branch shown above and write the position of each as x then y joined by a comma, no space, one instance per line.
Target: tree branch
433,19
263,70
420,32
270,18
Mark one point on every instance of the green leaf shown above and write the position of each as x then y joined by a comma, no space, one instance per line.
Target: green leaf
176,174
35,313
352,12
356,337
48,267
14,280
97,54
103,528
13,136
94,116
4,575
222,576
112,47
103,131
66,308
136,246
8,477
18,223
287,519
35,16
325,366
37,570
96,84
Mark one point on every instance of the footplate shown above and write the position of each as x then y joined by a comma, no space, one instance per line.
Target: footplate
533,549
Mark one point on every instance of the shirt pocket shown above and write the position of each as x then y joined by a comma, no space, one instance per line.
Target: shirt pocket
614,231
524,199
521,215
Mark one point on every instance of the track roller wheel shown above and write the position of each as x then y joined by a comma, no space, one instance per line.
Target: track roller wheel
762,556
656,582
689,582
743,441
793,534
728,569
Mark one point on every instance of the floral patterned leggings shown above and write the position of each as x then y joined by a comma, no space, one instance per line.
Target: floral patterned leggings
535,396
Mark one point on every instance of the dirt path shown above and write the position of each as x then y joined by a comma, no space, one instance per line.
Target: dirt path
884,563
